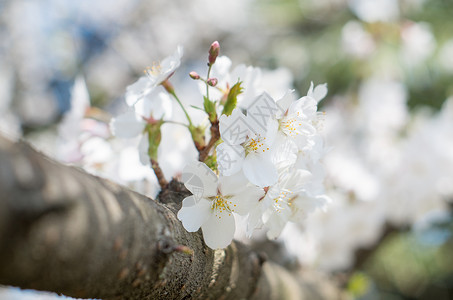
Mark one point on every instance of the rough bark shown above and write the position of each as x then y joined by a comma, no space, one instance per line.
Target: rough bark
69,232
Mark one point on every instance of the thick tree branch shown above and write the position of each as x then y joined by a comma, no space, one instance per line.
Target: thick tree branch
69,232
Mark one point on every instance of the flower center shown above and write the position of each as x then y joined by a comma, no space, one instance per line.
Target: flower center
153,71
256,145
221,204
289,125
282,200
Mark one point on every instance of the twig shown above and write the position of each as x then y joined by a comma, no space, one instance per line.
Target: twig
215,135
159,174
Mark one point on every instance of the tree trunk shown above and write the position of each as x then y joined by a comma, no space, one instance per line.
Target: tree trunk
69,232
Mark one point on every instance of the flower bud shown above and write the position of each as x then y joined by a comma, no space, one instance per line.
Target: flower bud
212,81
194,75
213,52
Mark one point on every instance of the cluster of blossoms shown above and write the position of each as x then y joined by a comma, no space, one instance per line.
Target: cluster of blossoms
262,160
389,168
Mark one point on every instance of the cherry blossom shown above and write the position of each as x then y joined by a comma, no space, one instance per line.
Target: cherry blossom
155,75
214,203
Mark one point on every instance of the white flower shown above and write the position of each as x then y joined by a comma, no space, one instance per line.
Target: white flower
213,203
247,146
299,119
281,202
132,123
155,75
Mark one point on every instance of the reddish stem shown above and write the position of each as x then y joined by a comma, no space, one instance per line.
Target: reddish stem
215,136
159,174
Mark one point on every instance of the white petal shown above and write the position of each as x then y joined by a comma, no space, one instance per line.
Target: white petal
305,107
320,92
242,202
229,185
156,104
221,67
234,128
284,103
229,158
275,225
200,180
310,90
261,110
169,65
242,197
138,89
218,231
127,125
143,148
254,220
193,215
259,171
296,180
284,154
271,131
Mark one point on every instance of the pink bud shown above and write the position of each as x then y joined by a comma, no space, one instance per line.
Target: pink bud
194,75
213,52
212,81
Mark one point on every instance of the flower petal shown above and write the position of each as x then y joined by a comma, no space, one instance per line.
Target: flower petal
156,104
234,128
261,110
230,184
284,103
271,131
284,154
245,201
275,224
218,231
259,171
200,180
138,90
194,213
143,148
229,158
242,196
305,107
320,92
127,125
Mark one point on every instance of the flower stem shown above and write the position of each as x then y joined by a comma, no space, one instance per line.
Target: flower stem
215,135
159,174
169,88
207,86
182,107
177,123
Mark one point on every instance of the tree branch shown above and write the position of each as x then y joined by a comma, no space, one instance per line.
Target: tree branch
69,232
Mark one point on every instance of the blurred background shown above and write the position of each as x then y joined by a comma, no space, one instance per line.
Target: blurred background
389,111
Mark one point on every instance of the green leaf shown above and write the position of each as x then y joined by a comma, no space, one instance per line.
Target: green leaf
231,102
211,162
210,109
196,107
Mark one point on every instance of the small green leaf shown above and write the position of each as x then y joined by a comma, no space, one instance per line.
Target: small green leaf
210,109
196,107
211,162
232,98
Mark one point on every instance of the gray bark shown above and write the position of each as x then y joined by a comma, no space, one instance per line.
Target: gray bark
65,231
